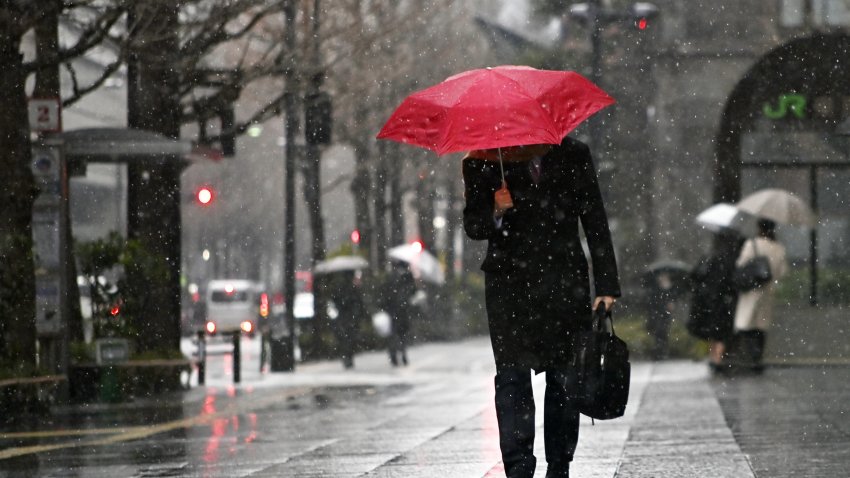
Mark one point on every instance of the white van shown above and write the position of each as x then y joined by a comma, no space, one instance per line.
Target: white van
233,305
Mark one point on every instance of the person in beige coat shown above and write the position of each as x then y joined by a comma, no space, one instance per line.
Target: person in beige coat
754,311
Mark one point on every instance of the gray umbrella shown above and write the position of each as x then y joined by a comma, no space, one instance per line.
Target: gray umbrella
778,205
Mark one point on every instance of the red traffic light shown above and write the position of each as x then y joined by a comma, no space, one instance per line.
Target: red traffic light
642,23
205,195
355,236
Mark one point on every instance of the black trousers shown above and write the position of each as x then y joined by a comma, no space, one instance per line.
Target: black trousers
515,412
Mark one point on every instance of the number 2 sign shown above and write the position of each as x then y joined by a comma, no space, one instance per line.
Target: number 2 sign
44,114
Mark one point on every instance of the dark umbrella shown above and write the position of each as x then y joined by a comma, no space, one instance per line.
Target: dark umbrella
677,272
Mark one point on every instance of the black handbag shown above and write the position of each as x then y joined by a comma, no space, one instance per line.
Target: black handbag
753,274
604,370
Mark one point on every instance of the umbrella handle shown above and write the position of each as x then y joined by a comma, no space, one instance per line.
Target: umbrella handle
501,166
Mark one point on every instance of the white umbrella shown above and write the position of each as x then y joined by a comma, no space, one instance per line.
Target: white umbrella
423,264
341,263
778,205
724,217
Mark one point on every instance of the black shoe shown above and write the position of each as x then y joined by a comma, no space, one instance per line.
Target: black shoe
558,471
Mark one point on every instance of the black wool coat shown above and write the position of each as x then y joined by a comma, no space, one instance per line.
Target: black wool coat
713,293
537,278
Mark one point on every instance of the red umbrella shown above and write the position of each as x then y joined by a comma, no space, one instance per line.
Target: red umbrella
495,107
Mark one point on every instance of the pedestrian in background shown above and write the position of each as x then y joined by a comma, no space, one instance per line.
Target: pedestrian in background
348,299
397,294
754,309
537,288
714,297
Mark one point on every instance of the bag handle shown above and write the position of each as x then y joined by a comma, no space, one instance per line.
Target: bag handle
602,319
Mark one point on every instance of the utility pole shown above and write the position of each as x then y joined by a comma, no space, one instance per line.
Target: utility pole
278,363
593,20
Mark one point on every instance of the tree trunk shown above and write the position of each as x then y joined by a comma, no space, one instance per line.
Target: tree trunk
153,207
17,271
380,198
396,201
313,200
425,209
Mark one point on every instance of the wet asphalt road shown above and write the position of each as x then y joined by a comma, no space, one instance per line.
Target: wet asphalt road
435,419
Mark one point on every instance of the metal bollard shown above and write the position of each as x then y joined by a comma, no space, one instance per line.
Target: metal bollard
237,356
202,357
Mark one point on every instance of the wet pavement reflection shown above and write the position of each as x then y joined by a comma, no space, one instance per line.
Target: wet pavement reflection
435,418
791,421
299,419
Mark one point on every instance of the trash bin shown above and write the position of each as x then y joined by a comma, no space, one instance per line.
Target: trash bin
282,354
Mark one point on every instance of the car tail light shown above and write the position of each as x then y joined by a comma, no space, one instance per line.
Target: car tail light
247,327
211,327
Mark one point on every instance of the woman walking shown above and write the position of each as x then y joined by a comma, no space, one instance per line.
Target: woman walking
754,310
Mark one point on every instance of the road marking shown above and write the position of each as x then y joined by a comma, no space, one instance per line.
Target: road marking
134,433
61,433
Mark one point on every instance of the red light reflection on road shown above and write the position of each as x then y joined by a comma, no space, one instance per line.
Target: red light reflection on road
252,421
217,428
225,432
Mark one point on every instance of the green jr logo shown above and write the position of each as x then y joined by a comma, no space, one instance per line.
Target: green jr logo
793,103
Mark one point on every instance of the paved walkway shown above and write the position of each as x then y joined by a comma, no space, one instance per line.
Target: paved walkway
436,419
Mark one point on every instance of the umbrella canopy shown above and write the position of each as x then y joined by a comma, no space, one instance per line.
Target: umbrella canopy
669,265
778,205
422,263
495,107
340,263
724,217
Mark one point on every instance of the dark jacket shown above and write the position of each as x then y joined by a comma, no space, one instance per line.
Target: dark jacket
713,293
541,230
398,292
536,272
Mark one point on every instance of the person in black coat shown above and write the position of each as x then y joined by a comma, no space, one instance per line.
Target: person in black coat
537,287
714,296
399,291
348,299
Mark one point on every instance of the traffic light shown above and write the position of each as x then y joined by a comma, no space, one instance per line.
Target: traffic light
318,119
205,195
418,245
643,13
264,305
355,236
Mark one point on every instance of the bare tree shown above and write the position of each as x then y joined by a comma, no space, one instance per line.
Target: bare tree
399,47
17,279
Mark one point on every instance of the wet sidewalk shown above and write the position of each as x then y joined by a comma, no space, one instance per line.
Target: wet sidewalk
435,418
